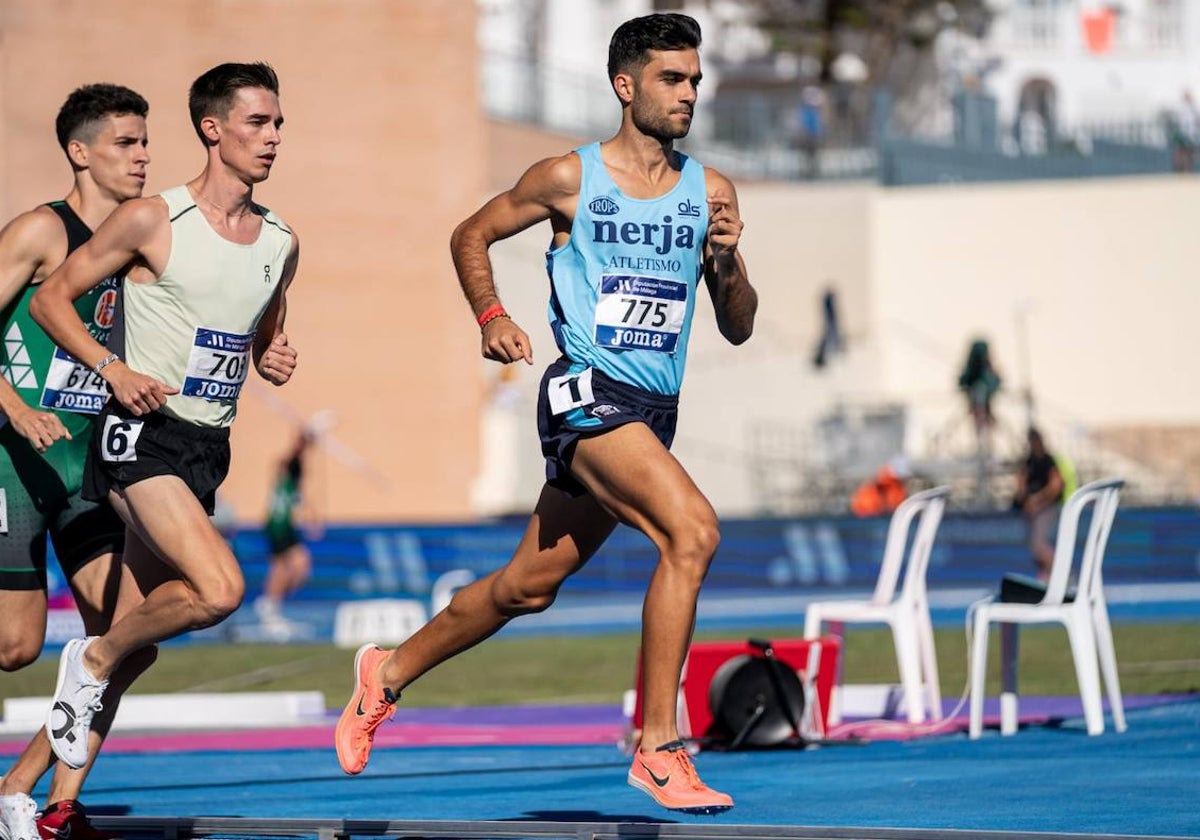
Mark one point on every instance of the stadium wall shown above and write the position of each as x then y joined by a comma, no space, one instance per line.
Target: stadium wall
384,150
801,555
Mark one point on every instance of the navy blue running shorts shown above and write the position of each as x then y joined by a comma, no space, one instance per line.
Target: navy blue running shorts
127,449
576,401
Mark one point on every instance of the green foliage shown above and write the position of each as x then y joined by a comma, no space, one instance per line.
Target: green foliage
875,29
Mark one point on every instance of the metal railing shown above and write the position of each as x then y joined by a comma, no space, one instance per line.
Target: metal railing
757,134
178,828
815,468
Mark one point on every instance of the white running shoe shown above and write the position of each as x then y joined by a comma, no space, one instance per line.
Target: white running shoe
76,701
18,818
267,609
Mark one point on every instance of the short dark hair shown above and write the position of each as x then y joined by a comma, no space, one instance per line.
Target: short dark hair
634,38
86,106
212,93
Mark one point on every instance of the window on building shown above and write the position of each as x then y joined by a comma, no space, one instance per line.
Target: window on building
1036,23
1163,24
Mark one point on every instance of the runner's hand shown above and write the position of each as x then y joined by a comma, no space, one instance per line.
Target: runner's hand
278,363
504,341
40,428
139,393
724,225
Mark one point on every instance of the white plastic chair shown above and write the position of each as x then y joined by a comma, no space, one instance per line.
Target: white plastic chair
1085,616
906,613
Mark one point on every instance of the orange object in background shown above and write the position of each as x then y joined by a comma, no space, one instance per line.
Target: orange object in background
881,494
1099,26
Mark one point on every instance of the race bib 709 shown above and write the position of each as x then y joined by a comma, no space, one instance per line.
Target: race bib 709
217,365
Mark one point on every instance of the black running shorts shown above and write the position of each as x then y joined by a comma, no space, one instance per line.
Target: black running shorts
576,401
127,449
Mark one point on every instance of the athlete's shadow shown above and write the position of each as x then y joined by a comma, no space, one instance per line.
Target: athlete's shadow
109,810
588,817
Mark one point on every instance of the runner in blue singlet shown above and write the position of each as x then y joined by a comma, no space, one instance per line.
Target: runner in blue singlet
638,229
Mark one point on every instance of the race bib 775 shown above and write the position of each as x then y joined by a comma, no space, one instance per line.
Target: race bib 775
645,313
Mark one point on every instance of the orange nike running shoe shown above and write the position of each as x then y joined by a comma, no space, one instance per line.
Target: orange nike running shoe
670,779
370,705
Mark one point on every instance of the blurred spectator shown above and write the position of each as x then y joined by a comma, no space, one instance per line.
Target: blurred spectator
883,492
1183,128
830,342
1038,493
291,562
812,127
980,382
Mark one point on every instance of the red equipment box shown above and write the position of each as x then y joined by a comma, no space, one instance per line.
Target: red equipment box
704,658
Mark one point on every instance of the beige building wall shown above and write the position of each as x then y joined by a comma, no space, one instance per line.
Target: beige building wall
1102,270
384,151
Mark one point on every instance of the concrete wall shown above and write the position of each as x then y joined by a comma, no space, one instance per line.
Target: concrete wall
384,150
1102,268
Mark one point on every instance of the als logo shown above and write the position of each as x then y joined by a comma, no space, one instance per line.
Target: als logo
686,208
604,206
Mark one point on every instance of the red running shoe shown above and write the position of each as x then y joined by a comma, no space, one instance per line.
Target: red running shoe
67,820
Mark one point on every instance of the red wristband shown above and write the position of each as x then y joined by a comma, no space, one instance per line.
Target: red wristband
490,314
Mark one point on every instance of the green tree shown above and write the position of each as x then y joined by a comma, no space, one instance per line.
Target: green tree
881,32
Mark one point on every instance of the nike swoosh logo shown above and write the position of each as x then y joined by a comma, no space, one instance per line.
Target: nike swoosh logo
660,782
359,711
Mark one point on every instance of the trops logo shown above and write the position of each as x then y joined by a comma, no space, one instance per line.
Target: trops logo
603,206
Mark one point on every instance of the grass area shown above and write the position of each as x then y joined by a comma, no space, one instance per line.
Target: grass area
1154,659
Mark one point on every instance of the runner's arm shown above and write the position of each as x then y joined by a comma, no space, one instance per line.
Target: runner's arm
734,299
118,243
26,251
274,358
548,189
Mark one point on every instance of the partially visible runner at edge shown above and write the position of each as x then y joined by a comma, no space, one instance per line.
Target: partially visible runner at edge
50,402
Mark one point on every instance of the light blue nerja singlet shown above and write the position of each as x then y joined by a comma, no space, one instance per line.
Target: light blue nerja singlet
623,287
